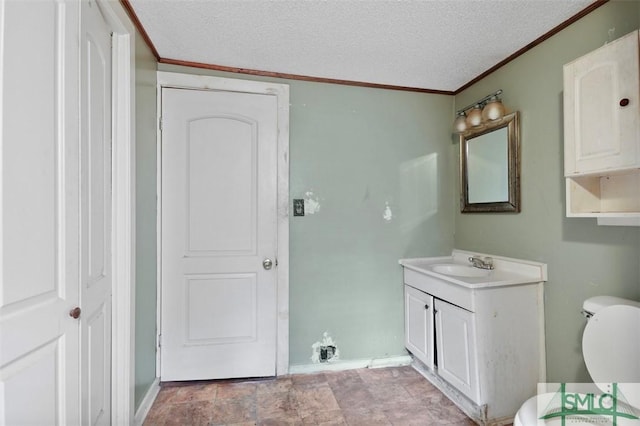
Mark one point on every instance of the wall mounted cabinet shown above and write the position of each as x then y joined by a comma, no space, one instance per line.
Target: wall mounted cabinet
602,133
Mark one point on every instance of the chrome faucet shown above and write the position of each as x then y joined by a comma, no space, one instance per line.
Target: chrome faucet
482,262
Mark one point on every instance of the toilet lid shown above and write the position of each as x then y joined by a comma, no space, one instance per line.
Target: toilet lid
611,345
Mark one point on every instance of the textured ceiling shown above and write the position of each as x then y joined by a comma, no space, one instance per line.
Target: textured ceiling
427,44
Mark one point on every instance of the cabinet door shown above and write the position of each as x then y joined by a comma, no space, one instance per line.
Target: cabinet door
418,324
456,348
601,109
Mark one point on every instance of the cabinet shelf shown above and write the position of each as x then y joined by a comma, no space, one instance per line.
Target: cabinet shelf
613,195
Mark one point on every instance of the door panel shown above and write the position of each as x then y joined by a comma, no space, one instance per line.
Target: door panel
38,367
210,297
228,171
455,332
98,331
39,220
419,324
95,207
218,224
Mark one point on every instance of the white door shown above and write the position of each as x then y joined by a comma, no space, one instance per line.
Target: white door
418,323
95,211
456,358
39,217
53,211
218,215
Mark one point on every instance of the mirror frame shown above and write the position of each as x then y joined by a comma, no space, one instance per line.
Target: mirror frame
512,123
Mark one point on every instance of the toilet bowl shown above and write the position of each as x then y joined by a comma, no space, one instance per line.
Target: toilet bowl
611,351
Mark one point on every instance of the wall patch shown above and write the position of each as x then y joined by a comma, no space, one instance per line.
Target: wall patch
325,350
388,214
311,203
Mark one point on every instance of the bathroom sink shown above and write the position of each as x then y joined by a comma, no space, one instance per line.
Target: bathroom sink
459,270
423,272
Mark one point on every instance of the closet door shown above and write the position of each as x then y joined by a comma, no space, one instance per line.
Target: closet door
95,215
55,192
39,220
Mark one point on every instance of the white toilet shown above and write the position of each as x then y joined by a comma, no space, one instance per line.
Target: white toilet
611,350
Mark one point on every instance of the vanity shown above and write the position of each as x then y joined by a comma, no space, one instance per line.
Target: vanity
477,332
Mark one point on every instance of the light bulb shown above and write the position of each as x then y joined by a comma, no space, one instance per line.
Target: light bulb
493,110
460,124
474,118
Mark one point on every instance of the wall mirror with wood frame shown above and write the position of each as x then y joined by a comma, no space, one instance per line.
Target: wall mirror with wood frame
490,166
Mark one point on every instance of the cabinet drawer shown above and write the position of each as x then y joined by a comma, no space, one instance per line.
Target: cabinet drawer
452,293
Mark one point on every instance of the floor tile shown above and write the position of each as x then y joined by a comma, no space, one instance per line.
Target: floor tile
234,390
409,414
325,418
276,405
233,411
314,399
175,394
342,379
274,385
354,397
189,413
366,417
308,380
389,394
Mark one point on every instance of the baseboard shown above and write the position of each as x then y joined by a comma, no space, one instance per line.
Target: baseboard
147,402
395,361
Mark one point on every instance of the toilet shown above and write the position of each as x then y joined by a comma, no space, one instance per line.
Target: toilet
611,351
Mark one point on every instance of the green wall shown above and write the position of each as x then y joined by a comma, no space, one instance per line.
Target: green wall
583,259
145,308
356,149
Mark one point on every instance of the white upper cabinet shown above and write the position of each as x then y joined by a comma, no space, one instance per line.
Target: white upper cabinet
602,133
602,109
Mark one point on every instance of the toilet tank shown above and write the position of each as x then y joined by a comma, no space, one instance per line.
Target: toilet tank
594,304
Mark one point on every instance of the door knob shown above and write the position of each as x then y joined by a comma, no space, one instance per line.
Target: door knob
75,312
267,264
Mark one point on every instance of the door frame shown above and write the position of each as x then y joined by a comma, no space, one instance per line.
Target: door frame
281,92
123,211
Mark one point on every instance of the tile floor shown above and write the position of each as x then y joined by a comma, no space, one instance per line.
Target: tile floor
367,397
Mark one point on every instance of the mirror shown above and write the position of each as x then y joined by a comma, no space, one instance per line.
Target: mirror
490,167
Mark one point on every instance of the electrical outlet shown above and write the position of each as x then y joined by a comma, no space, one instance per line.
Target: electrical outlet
298,207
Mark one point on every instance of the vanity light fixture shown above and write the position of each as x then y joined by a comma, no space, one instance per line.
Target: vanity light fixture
460,124
489,108
474,117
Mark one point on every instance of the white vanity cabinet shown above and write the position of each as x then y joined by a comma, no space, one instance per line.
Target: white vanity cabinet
602,133
428,319
478,338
